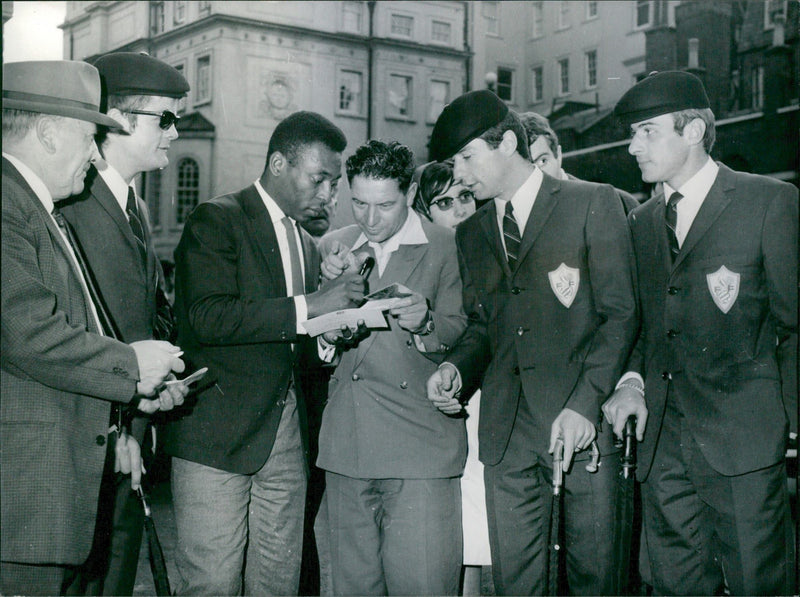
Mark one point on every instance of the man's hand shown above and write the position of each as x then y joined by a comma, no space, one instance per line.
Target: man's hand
339,260
442,389
575,430
344,292
410,311
128,459
347,337
171,396
156,360
624,402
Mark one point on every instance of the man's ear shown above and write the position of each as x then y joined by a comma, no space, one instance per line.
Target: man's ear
277,163
117,115
694,131
509,143
411,193
558,155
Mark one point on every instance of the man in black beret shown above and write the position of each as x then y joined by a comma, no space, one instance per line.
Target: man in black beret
547,271
714,369
112,224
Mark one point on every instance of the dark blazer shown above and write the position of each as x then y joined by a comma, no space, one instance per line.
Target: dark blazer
134,295
58,380
561,325
234,316
378,422
727,338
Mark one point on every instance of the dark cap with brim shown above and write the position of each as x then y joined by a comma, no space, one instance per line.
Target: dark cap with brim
130,73
465,118
58,87
661,93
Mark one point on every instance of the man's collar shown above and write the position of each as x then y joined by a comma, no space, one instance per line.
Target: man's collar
410,233
115,183
275,212
699,184
36,184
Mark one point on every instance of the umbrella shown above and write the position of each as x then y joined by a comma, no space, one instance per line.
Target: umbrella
625,506
157,564
554,535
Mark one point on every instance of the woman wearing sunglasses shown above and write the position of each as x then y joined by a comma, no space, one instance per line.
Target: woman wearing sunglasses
447,204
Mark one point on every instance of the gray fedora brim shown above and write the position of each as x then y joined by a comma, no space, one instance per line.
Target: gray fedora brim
30,104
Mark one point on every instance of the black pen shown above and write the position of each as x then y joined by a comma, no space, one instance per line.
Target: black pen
366,267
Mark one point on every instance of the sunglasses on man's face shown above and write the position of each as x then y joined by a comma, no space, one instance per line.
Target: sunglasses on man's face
167,118
445,203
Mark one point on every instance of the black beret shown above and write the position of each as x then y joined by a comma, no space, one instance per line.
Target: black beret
661,93
130,73
464,119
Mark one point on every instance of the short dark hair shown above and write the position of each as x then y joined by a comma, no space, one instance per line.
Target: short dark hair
537,126
436,178
494,135
304,128
379,160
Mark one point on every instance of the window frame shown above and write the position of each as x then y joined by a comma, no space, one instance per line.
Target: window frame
560,92
639,3
586,70
401,15
409,117
197,100
589,16
359,11
360,111
511,96
562,15
179,163
179,7
182,66
769,24
537,24
433,40
428,118
495,18
537,98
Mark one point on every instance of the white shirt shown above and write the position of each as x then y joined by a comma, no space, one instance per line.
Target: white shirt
694,192
43,194
410,233
522,201
276,216
117,185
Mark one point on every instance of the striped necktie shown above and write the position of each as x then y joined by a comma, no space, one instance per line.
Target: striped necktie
132,210
294,258
671,217
511,236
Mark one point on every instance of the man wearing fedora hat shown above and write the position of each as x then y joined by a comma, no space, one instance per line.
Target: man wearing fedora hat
62,369
547,271
717,352
142,94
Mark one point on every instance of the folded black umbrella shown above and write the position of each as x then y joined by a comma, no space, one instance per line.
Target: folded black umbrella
625,509
157,564
554,551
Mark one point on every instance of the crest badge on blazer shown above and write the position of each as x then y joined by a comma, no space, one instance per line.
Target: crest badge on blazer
565,281
724,287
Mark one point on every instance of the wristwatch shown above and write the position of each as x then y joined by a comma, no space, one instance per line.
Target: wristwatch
427,326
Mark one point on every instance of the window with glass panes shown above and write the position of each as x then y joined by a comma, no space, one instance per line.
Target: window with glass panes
188,191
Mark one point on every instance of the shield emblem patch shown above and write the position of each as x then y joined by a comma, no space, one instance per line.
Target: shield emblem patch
565,281
724,287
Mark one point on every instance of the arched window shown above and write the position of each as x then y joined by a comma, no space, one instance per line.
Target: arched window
188,188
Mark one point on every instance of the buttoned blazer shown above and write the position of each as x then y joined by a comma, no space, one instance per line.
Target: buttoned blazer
378,422
728,341
234,317
133,294
560,326
58,378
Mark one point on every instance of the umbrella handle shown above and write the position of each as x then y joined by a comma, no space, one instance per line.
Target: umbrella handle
145,505
629,448
594,463
558,473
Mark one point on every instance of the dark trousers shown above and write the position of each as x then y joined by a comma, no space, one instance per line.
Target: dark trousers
704,531
519,505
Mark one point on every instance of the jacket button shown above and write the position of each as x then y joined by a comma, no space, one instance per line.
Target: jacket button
356,377
101,440
666,376
443,348
403,385
520,331
284,336
409,343
516,290
672,333
673,290
515,370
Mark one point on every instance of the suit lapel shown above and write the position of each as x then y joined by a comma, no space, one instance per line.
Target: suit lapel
542,208
488,222
713,205
261,228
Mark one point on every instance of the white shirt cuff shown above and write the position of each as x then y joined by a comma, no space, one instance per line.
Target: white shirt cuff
301,310
630,375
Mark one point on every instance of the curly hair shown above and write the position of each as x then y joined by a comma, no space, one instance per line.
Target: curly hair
537,126
379,160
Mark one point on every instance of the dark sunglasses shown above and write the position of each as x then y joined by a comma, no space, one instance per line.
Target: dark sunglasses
167,118
445,203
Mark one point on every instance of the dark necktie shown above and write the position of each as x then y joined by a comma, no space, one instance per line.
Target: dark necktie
136,225
94,294
294,258
672,223
511,236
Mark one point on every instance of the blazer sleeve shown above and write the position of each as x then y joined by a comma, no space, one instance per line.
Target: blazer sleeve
38,339
211,253
610,262
779,240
